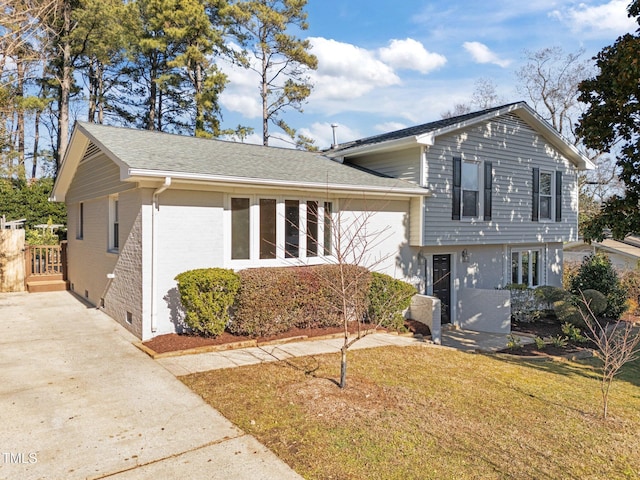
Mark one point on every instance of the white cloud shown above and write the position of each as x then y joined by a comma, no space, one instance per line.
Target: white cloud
346,71
411,55
608,18
389,126
482,54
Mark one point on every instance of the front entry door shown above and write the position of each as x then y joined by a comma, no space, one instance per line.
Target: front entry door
442,284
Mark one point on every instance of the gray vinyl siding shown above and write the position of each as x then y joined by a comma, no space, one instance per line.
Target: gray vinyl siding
96,177
403,164
514,149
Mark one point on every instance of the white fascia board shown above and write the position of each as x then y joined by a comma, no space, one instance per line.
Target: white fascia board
228,181
77,147
382,146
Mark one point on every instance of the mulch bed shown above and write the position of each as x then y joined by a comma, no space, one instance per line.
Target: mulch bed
174,342
544,328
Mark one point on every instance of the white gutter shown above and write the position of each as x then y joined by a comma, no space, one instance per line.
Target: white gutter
222,180
154,254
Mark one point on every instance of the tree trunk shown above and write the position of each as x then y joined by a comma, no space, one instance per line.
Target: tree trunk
20,118
343,365
265,98
36,139
64,91
197,94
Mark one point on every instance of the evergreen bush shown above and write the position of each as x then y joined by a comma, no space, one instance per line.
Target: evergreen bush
206,295
388,298
597,273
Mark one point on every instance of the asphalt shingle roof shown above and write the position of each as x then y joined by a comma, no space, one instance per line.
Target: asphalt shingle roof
168,153
418,129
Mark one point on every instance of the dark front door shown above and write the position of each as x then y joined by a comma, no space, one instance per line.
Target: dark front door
442,284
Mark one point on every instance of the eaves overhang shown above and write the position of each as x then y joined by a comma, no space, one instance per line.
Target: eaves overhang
142,175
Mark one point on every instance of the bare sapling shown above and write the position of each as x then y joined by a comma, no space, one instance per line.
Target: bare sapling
356,251
616,343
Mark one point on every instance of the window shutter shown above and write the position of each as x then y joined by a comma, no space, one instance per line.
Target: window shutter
558,196
457,190
488,189
536,194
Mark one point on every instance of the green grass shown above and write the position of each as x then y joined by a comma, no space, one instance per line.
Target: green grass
421,413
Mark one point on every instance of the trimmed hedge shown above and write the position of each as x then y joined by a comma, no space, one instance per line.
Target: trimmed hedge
388,298
206,295
274,300
597,273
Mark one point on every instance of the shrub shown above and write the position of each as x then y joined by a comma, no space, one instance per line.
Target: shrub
387,299
631,283
597,273
569,270
274,300
596,301
206,295
540,343
548,294
567,311
523,304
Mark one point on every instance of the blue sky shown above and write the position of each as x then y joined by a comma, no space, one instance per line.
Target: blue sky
384,65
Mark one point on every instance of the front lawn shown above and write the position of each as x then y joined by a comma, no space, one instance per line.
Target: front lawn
421,413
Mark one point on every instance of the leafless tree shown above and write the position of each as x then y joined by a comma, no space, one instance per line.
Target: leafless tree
356,250
617,345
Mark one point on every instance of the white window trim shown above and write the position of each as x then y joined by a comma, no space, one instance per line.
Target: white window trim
80,220
552,196
541,265
113,212
254,232
479,171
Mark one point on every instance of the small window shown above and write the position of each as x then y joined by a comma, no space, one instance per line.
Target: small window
80,234
114,224
292,228
267,228
240,240
129,318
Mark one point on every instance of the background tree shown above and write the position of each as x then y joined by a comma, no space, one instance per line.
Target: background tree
281,60
485,95
550,81
612,123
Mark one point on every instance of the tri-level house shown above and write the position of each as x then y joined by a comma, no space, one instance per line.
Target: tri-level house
466,205
504,198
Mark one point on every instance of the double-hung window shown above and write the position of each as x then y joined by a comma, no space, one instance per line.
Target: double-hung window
470,189
468,203
547,196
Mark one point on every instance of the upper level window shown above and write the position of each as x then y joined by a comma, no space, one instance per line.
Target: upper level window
469,189
547,195
467,185
114,223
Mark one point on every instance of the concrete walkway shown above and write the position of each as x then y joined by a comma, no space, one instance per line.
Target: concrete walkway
457,339
78,400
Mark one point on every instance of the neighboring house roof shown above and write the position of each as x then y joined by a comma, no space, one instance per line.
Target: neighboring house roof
144,154
629,247
426,134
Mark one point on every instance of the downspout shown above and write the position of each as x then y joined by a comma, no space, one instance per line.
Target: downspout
155,206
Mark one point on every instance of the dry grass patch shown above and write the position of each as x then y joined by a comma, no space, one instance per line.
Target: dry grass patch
433,413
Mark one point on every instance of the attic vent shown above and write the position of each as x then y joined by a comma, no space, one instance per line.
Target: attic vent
91,151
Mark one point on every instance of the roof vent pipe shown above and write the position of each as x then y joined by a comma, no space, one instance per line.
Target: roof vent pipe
334,126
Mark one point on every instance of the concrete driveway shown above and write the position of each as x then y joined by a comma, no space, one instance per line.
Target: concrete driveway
78,400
